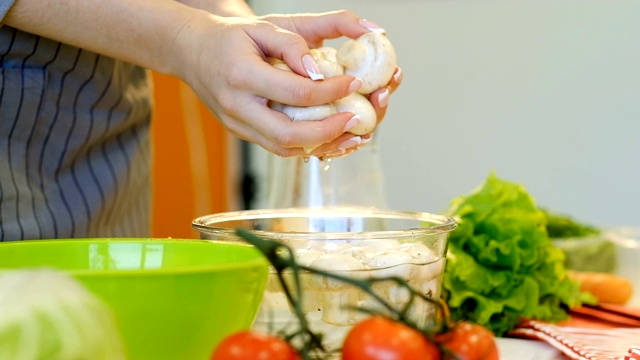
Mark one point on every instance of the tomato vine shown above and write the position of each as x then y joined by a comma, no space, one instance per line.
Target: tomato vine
437,339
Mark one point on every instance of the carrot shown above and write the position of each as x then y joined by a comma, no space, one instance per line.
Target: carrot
607,288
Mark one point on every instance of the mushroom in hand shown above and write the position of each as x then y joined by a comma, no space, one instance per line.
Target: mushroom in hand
371,58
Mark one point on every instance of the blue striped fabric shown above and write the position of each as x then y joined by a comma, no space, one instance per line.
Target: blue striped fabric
5,5
74,142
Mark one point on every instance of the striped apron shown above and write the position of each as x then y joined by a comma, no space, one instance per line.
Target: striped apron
74,142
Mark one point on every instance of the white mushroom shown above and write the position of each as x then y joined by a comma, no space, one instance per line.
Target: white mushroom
306,113
337,296
419,252
360,106
381,244
326,58
328,65
389,263
430,271
336,263
361,253
279,64
371,58
306,256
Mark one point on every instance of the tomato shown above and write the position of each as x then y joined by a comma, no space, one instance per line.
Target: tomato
469,341
249,345
377,338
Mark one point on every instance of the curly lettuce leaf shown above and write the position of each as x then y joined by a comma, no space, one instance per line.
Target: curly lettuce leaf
564,226
501,264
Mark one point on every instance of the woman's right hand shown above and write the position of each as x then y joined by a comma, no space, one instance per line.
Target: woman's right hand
225,61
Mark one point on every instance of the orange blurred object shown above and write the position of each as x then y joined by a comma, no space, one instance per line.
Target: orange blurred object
607,288
193,160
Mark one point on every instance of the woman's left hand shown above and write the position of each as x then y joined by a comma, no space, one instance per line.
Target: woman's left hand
316,28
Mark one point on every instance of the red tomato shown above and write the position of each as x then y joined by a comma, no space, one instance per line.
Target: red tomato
378,338
469,341
248,345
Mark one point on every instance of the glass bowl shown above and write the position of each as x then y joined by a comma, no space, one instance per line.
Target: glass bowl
627,241
352,241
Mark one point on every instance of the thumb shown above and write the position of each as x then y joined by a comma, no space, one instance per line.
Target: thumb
287,46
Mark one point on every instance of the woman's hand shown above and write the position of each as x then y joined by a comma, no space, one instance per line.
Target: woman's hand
228,68
224,59
225,62
315,28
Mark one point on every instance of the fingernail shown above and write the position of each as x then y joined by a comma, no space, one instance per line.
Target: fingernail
338,152
366,139
398,75
355,85
383,99
353,122
311,67
354,141
371,26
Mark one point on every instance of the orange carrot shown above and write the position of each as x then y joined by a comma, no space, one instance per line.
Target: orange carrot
608,288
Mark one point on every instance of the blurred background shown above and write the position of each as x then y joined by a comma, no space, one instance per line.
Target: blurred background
544,93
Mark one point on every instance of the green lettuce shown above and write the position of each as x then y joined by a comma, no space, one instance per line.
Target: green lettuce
563,226
501,264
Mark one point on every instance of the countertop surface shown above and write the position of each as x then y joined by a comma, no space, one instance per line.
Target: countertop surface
520,349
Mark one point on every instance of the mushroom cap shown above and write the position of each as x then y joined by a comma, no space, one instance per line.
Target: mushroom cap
371,58
306,257
391,263
335,263
279,64
360,106
419,252
326,58
306,113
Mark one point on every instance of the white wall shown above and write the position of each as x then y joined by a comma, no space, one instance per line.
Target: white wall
545,93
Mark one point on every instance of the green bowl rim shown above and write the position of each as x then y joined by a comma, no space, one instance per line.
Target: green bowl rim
260,260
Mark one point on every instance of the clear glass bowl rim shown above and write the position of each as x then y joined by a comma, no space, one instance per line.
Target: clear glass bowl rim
439,223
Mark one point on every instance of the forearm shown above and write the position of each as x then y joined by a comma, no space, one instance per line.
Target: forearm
222,7
138,31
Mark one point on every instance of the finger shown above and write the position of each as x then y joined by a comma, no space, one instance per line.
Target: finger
249,133
341,146
281,130
344,143
283,86
264,80
285,45
380,101
343,151
324,151
396,79
329,25
380,98
282,44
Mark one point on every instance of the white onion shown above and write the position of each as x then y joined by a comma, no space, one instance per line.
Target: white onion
45,314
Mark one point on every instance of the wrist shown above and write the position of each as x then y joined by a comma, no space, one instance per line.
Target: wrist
186,44
235,8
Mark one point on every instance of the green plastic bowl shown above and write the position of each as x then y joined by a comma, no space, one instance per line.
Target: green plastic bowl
173,299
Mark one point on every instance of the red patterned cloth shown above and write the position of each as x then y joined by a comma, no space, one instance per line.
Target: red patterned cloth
583,343
633,354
